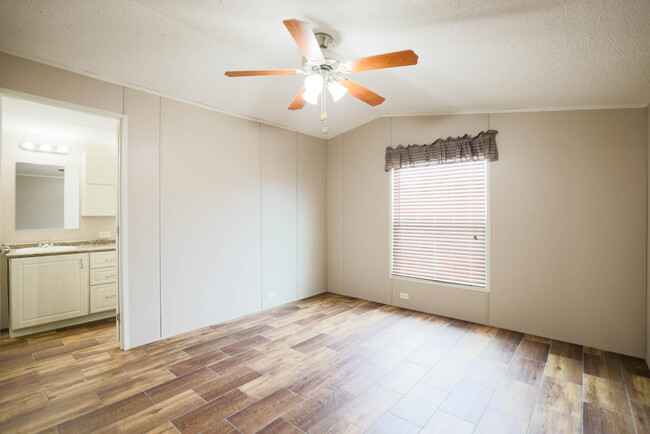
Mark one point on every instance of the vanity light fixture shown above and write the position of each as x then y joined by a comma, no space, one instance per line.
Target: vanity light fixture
44,147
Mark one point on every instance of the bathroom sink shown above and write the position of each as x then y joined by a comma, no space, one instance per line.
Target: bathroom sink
36,250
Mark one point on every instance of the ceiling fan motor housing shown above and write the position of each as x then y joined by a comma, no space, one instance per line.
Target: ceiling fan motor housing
332,58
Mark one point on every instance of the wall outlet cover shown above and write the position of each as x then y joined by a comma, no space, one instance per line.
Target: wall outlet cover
271,295
106,234
404,295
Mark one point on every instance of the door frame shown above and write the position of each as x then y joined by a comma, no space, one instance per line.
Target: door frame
121,233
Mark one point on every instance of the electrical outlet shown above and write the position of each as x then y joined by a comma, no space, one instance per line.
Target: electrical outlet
404,295
106,234
271,295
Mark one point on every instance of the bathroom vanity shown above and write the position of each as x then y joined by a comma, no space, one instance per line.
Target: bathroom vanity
59,286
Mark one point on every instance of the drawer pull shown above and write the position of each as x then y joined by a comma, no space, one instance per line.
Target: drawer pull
109,296
109,276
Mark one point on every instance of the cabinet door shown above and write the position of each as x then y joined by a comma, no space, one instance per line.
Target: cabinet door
48,288
100,169
99,200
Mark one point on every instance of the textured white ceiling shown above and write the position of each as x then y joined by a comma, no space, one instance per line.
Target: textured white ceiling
45,121
474,55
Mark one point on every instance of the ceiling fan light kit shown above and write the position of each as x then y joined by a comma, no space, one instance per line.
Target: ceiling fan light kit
325,70
336,90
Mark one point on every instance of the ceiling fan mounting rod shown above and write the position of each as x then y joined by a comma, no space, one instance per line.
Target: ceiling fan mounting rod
324,39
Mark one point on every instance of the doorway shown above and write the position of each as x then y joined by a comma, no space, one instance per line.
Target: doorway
60,191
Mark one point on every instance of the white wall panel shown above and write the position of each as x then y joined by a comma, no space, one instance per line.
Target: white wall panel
366,212
210,217
142,227
568,231
335,214
279,216
312,216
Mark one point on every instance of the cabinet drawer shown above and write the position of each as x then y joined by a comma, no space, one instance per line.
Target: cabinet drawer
100,276
103,259
103,297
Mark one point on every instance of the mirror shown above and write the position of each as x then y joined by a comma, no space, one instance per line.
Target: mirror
47,196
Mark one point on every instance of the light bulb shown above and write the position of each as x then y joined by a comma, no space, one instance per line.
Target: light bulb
62,149
310,97
27,145
314,84
336,90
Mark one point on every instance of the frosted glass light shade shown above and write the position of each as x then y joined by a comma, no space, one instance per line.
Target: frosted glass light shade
314,84
336,90
310,97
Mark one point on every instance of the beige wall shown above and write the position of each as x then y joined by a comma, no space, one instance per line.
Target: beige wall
277,169
142,222
647,346
311,172
567,223
200,186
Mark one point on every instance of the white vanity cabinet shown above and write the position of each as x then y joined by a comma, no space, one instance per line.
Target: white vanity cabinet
99,185
46,289
103,281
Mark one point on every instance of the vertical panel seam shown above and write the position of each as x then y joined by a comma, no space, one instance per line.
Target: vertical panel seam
297,216
390,229
647,186
342,157
121,332
259,138
160,314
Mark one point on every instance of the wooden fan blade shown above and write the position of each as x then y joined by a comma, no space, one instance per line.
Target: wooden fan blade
388,60
298,102
360,92
264,72
304,37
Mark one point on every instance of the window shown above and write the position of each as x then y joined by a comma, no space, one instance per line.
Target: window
439,224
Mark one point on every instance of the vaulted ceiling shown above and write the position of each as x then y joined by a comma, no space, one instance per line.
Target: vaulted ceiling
474,55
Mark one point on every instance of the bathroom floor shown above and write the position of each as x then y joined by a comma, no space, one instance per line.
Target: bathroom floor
325,364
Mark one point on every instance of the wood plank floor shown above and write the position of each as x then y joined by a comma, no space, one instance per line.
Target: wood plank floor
327,364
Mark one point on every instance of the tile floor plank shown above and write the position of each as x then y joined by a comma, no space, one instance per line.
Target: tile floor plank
212,412
265,411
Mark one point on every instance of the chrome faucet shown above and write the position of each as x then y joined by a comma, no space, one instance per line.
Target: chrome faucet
45,243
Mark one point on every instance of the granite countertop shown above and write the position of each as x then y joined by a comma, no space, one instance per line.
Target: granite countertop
83,246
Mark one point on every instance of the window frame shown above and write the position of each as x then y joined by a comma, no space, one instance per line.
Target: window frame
488,243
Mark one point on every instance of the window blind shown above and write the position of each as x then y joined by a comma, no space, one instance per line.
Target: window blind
439,222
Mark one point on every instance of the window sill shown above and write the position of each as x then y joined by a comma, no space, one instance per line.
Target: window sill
439,283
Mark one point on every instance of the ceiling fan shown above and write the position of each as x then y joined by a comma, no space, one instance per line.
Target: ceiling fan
325,70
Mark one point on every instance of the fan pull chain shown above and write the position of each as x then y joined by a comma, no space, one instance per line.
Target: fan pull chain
323,104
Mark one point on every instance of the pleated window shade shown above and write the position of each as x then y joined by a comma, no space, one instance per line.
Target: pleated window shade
439,222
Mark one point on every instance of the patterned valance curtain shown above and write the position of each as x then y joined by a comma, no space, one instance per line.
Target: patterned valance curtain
480,147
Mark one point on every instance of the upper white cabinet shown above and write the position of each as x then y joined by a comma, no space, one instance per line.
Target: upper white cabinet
100,169
45,289
99,185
